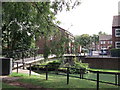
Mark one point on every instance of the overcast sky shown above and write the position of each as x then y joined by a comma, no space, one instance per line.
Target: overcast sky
90,17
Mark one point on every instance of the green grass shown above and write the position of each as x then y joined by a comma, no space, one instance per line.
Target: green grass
104,70
6,86
59,81
103,77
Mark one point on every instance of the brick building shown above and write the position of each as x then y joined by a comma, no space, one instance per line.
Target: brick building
61,33
105,41
116,32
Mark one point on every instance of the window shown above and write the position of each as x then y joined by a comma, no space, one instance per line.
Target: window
117,44
117,32
109,42
102,42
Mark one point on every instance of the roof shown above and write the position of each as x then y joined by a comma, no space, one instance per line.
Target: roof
105,37
116,21
67,32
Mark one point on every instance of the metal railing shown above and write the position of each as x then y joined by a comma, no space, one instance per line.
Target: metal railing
81,74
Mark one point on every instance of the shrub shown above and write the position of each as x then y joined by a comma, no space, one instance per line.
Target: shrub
115,52
54,65
79,66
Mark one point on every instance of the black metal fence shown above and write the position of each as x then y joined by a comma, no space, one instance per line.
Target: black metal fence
80,76
20,54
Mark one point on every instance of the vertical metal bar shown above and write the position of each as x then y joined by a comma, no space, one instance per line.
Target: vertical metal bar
17,67
67,75
56,70
23,60
34,54
30,69
37,68
13,64
80,74
23,65
116,79
97,80
46,72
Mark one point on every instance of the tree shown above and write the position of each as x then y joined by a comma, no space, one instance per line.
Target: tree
102,33
83,40
58,45
95,40
24,22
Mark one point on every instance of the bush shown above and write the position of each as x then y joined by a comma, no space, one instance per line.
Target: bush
54,65
115,52
79,66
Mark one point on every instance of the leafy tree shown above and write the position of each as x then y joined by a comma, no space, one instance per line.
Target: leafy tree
95,40
102,33
59,45
83,40
24,22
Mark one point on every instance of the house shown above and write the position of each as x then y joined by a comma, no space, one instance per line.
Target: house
56,37
105,41
116,32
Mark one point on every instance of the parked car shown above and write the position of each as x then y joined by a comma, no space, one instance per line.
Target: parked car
103,52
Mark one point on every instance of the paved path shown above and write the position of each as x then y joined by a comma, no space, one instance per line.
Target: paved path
27,61
25,72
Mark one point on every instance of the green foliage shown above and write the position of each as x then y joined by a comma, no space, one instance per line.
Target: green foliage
58,46
24,22
78,66
115,52
46,52
102,33
54,64
86,40
83,40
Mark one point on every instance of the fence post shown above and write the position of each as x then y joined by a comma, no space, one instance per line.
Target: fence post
67,75
116,78
97,80
57,71
13,64
23,65
23,59
80,74
30,69
34,55
17,67
46,72
37,68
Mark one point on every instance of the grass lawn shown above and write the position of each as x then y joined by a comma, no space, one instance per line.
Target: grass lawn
59,81
6,87
103,77
104,70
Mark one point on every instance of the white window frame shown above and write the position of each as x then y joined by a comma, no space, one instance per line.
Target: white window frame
117,32
116,44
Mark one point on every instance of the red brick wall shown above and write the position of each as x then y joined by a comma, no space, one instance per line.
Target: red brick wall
113,36
102,63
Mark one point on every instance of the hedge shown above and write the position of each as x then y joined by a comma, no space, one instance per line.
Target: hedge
115,52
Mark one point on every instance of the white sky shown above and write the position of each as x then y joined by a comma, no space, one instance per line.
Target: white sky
90,17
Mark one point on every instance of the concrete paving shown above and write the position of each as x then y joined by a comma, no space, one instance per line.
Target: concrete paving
25,72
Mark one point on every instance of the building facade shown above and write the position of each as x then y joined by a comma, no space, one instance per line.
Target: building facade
105,41
61,33
116,32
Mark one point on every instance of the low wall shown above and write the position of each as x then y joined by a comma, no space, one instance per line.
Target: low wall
103,62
